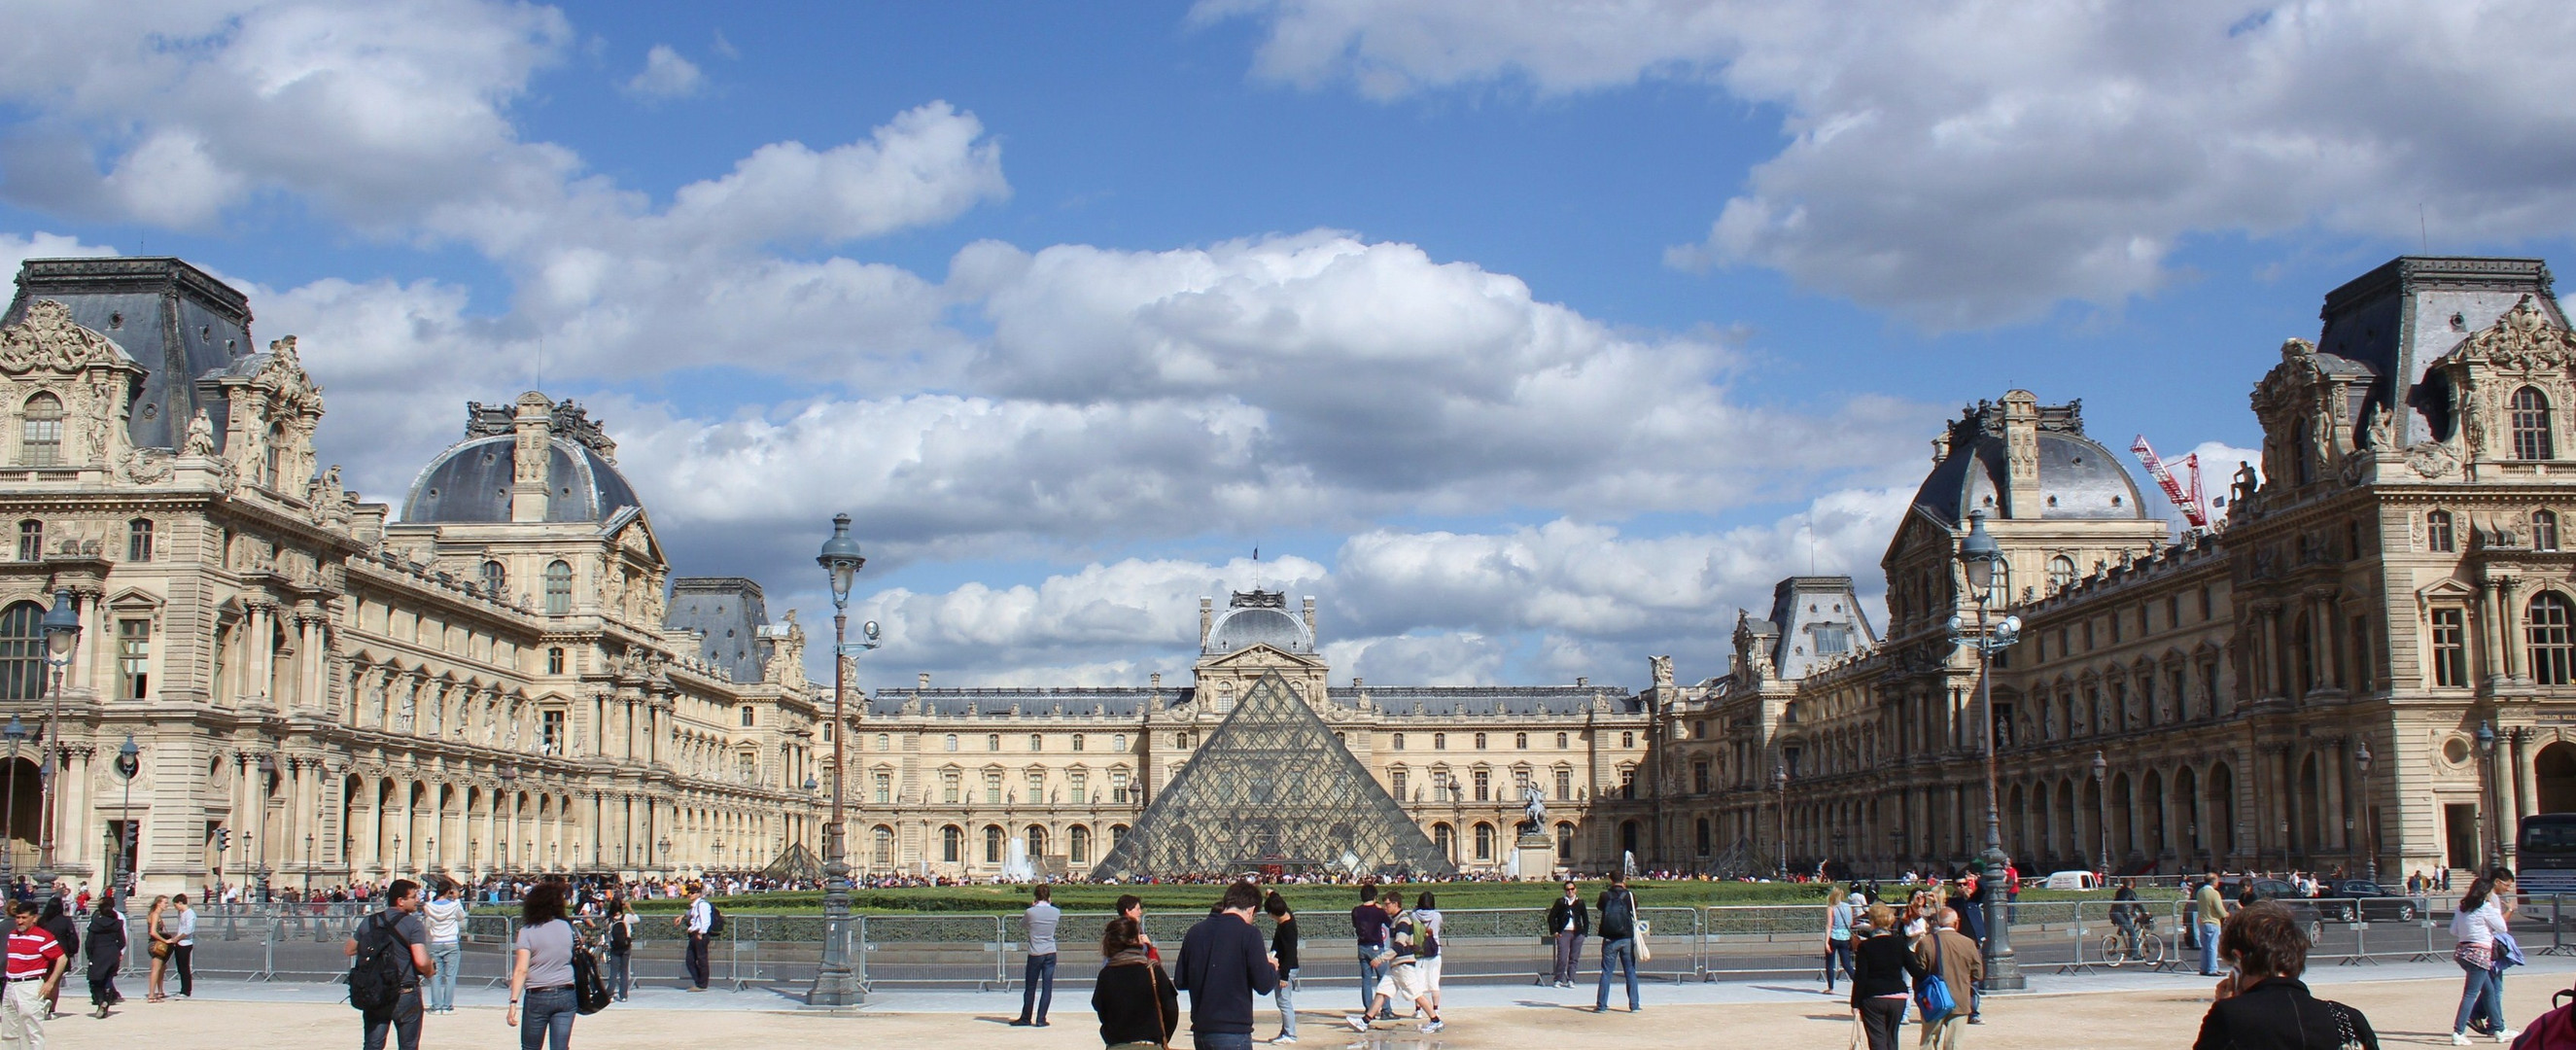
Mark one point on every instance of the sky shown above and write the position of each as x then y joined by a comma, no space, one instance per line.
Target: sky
1532,337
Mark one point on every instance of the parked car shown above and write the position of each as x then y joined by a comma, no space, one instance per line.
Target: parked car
2302,907
2354,900
2072,880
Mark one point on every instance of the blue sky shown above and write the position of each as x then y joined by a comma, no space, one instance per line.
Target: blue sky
1533,337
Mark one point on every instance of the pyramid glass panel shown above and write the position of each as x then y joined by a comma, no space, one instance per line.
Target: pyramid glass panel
1273,788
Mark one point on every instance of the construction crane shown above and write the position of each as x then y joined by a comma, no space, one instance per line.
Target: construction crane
2186,500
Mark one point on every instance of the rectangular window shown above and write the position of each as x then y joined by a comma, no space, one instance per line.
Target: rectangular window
885,789
133,658
1077,741
1565,783
1832,640
1699,776
1080,782
552,732
2451,648
138,540
748,717
992,788
1395,782
1037,786
948,788
1484,786
31,540
1118,785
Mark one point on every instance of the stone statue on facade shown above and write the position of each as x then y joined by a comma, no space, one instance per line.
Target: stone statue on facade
201,436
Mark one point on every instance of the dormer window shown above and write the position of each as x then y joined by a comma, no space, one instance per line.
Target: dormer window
40,437
2530,425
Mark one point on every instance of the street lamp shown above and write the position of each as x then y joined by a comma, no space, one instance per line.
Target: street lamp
129,761
1780,842
1989,580
2361,759
2487,793
62,632
836,985
17,734
2102,809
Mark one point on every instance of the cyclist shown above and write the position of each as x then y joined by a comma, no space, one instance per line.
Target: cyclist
2128,914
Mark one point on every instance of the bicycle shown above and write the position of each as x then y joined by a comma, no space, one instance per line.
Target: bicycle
2149,950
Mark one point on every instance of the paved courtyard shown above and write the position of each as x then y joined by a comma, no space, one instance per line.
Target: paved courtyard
2410,1004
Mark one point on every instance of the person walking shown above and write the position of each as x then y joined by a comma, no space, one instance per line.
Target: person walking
1950,955
445,917
1404,978
34,975
1133,907
56,919
2478,920
182,921
1283,958
1882,975
1838,938
1369,923
542,975
159,948
1568,921
1037,978
621,947
1223,965
699,922
2209,912
1138,1005
1427,938
1618,942
2263,1006
400,923
106,947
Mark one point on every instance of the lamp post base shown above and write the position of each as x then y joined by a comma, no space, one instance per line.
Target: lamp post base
836,985
2003,971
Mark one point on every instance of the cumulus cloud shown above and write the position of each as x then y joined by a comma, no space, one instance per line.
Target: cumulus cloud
17,248
666,75
1972,165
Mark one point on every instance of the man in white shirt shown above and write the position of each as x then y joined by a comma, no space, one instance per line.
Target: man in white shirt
700,922
445,917
1037,985
183,945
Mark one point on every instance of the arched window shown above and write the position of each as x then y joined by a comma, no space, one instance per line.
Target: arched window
496,579
1440,741
1077,844
1117,834
950,742
881,845
22,651
1397,743
1480,741
2544,530
2061,572
2437,531
2553,651
138,540
885,742
2530,425
40,436
1564,842
992,843
1037,742
1484,841
1446,838
1520,741
952,844
559,589
992,741
1037,841
1118,742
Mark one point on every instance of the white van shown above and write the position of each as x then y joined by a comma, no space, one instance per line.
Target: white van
2073,880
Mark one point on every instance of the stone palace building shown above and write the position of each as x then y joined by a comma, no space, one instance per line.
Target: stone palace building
2393,579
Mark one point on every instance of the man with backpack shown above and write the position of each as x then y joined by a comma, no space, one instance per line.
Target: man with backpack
389,955
1618,909
701,923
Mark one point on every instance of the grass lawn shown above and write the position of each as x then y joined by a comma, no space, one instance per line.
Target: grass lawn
1086,897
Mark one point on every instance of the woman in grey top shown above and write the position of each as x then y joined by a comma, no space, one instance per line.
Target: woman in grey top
542,979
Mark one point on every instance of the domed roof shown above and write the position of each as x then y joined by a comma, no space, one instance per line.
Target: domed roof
470,482
1242,628
2078,478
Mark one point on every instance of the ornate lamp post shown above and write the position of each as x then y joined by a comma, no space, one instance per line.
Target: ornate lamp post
1780,828
62,633
2487,793
836,985
129,761
2102,809
1982,561
2361,759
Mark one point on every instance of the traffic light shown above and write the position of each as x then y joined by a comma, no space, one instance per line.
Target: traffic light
223,839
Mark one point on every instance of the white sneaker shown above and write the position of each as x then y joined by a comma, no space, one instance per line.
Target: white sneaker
2459,1039
2505,1035
1285,1039
1429,1027
1358,1024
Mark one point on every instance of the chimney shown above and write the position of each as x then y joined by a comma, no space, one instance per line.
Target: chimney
534,453
2021,497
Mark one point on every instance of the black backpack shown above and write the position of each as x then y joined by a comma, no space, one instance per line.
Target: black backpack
715,921
620,939
376,972
589,992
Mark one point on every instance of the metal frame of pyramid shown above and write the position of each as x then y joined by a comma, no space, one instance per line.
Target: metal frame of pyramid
1273,787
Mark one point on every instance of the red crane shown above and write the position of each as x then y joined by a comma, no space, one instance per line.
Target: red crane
2187,501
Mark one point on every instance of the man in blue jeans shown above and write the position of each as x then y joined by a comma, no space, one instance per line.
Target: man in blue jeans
1223,964
1370,921
2209,912
1618,929
1037,984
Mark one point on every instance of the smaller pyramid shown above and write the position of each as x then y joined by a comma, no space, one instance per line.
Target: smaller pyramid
1273,787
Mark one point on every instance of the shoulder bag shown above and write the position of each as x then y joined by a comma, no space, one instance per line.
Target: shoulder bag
1645,951
1933,995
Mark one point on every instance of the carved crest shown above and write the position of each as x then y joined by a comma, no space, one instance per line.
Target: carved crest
48,338
2522,340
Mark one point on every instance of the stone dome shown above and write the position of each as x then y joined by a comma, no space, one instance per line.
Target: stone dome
1242,628
470,482
2078,477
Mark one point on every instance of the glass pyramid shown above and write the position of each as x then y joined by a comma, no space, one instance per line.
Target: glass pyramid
1273,788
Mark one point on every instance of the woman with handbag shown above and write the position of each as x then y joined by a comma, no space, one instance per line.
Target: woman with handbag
160,947
2263,1006
1138,1005
1882,974
543,975
2478,920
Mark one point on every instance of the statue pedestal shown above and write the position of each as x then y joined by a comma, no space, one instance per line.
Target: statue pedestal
1537,856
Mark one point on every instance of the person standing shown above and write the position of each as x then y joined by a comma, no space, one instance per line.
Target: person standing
1404,978
1950,955
106,947
1618,942
1137,1004
542,975
400,923
1223,965
2477,921
699,922
1427,938
621,947
1369,922
2209,912
445,917
1568,921
1838,938
182,921
2263,1005
1037,978
35,974
159,950
1133,907
1283,958
1881,972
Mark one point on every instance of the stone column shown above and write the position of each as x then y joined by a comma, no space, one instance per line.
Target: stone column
2491,640
2330,771
2526,779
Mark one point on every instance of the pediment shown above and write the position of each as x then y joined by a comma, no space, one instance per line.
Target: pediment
1256,656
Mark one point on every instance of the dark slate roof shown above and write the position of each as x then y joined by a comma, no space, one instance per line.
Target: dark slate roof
730,611
2400,318
1109,702
1438,701
180,324
2077,472
471,482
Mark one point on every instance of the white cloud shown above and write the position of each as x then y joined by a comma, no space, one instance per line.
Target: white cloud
16,249
666,75
1971,165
